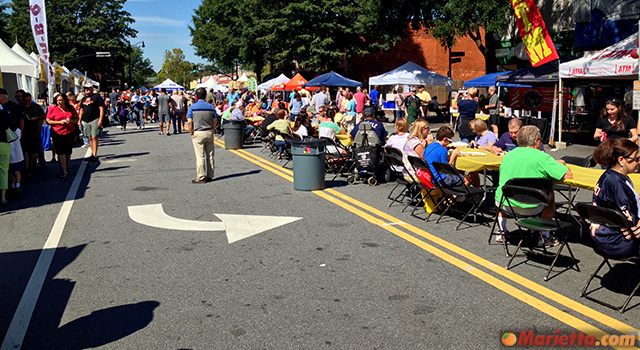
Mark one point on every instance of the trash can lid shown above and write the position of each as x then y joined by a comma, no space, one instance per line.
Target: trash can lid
311,143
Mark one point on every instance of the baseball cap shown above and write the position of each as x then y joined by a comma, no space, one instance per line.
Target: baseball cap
87,86
311,109
3,91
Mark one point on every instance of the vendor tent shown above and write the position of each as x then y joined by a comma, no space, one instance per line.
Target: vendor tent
411,74
619,60
207,82
11,62
169,85
30,83
332,79
294,84
243,78
281,79
490,80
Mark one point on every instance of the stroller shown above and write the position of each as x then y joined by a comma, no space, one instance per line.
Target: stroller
368,159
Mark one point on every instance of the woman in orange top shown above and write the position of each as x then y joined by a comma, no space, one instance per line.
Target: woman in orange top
63,119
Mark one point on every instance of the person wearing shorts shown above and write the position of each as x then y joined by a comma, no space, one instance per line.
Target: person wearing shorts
165,109
91,113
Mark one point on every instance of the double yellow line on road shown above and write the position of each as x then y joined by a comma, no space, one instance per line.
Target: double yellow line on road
409,233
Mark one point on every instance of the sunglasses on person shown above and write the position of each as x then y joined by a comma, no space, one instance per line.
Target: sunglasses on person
634,159
612,100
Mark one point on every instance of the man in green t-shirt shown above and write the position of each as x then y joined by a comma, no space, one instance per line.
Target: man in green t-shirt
528,161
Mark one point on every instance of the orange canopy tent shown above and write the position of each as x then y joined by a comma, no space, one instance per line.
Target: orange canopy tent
294,84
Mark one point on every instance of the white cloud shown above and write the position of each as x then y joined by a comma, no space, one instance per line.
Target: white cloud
160,21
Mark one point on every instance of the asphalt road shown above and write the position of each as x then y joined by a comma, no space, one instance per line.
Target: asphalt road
352,273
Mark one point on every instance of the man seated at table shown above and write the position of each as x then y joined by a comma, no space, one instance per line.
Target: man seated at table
437,152
376,126
527,161
508,141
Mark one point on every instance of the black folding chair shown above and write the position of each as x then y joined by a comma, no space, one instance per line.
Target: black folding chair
452,194
419,163
339,159
612,219
394,160
533,225
543,184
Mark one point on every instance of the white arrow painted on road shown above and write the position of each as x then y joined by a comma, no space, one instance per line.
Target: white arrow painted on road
237,227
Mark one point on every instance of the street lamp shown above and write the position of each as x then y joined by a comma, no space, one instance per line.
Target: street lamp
129,82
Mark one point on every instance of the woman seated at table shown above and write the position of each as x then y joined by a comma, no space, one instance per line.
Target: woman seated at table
615,191
485,138
282,127
299,127
328,130
419,137
438,152
614,123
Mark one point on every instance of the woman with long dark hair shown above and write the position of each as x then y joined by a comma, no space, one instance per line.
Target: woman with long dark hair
615,191
63,119
614,123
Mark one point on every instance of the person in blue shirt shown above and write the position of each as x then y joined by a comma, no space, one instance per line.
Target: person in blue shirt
509,140
615,190
438,152
232,96
467,107
375,97
201,122
377,126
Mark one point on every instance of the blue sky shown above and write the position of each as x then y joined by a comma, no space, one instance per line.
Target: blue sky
162,25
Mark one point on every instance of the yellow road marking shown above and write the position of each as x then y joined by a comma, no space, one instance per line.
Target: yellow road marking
339,198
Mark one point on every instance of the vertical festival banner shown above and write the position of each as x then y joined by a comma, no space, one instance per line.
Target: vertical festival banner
534,32
39,29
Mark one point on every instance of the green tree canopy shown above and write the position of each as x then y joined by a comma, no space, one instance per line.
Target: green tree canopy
77,28
313,34
4,31
176,68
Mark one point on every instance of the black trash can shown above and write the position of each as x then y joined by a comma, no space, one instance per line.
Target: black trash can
308,164
233,134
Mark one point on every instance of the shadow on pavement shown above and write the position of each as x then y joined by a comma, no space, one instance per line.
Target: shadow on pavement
231,176
98,328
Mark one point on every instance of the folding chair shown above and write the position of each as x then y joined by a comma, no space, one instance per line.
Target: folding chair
339,160
397,167
472,195
612,219
420,163
543,184
537,197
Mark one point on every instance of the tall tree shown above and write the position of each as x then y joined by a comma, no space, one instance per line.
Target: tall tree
176,67
78,28
314,34
4,31
140,67
451,20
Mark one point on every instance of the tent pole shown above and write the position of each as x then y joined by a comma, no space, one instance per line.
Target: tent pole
560,144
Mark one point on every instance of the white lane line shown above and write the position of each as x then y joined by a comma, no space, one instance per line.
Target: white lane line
20,322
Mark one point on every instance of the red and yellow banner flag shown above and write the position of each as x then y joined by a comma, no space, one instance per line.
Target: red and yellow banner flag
534,32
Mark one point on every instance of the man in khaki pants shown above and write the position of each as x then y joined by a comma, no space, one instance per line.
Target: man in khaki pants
201,122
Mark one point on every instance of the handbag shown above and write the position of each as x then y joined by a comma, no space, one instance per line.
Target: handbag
425,178
11,135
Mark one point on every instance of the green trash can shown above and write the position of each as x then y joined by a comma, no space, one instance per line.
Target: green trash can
233,134
308,164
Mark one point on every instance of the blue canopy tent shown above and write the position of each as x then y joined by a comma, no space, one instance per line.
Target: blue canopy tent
332,79
144,89
490,80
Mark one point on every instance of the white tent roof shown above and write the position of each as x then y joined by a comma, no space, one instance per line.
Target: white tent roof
20,51
207,82
616,60
411,74
170,85
277,80
243,77
11,62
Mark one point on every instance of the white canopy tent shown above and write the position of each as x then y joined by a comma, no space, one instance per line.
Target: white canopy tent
277,80
411,74
16,71
169,85
207,82
30,82
243,78
616,62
